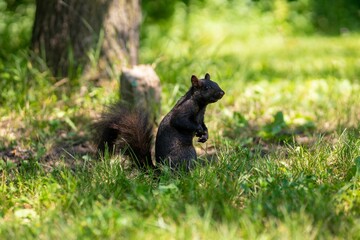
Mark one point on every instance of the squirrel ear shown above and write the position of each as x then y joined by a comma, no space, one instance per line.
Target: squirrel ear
195,81
207,76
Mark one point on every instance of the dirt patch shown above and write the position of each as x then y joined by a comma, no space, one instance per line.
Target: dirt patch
69,154
15,155
62,154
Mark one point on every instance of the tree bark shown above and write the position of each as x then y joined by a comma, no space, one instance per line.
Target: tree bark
74,33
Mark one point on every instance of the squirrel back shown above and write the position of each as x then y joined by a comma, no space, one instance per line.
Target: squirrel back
130,130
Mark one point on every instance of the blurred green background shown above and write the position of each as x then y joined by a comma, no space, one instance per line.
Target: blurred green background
254,17
239,40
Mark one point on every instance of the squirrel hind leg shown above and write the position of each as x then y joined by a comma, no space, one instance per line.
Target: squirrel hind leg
181,160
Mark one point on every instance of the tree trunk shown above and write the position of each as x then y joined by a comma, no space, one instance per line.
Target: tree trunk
74,33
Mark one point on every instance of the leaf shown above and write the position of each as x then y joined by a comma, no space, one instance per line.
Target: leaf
274,128
240,120
357,165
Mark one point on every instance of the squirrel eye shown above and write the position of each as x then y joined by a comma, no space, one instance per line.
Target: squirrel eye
207,88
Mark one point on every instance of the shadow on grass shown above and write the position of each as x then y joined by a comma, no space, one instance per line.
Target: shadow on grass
54,143
274,136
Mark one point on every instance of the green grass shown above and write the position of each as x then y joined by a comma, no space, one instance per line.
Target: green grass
285,139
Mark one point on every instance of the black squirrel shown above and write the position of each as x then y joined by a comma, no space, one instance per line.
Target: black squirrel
121,128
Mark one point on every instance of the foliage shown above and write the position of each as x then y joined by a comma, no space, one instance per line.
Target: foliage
341,16
15,26
284,140
274,128
295,16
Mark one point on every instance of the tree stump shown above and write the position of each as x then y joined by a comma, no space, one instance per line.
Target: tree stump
140,88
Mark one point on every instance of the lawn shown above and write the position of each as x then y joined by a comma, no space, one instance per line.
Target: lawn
282,160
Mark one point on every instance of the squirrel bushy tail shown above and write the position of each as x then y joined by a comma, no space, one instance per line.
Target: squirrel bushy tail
121,128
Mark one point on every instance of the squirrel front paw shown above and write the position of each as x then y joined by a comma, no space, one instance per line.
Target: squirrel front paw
203,138
202,134
199,131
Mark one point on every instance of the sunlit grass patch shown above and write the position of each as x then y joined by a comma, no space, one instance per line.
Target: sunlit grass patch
283,142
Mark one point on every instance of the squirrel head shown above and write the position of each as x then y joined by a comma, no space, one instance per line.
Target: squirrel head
206,91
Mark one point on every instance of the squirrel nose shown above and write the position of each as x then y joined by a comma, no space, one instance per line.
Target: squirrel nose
221,94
